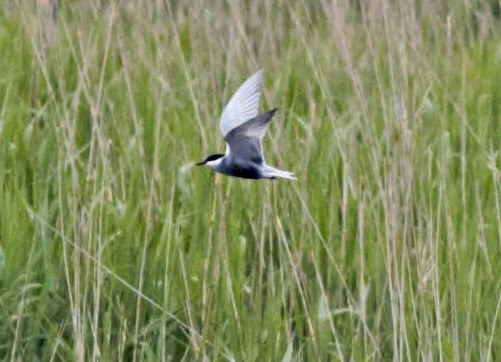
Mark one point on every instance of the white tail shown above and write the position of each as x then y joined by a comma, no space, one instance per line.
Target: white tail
271,172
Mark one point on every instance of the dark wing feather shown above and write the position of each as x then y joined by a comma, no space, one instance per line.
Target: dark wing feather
245,140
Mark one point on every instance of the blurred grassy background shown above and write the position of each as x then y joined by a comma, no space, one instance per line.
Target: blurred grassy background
387,246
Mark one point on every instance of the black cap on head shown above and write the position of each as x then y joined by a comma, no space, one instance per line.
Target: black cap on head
210,158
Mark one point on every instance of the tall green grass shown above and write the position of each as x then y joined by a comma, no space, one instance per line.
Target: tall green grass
113,247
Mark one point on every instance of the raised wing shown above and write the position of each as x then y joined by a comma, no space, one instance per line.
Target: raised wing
244,104
254,128
244,142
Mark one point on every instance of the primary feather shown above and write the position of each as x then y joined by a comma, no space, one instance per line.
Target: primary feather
244,104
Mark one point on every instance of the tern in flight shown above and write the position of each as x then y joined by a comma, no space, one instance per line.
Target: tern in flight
243,130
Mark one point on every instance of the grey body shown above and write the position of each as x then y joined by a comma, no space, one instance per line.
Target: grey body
243,129
245,158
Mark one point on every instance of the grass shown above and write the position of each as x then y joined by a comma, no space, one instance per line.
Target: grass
113,247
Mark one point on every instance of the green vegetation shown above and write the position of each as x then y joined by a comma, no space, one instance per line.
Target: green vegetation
388,246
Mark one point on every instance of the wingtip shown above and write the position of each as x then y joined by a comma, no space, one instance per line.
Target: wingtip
258,74
271,112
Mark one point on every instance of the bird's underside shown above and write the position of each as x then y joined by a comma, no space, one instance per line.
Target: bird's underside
242,171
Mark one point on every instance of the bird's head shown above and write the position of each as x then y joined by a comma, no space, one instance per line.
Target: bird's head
211,161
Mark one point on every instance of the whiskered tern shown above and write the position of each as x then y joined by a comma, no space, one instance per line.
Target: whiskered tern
243,129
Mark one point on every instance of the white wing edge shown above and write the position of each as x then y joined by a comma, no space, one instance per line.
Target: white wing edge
244,105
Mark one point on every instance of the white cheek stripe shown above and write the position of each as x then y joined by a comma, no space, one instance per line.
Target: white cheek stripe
214,163
227,151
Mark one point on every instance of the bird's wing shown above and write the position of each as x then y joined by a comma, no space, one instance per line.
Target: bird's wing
244,104
244,142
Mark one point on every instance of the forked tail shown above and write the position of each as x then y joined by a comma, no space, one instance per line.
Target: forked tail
272,172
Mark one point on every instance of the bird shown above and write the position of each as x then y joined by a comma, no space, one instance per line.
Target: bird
243,130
